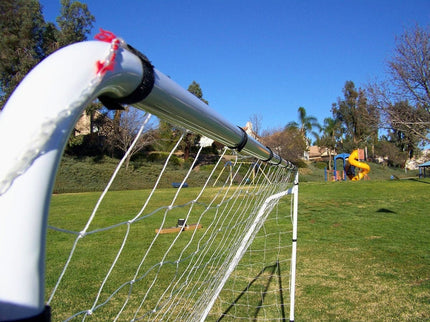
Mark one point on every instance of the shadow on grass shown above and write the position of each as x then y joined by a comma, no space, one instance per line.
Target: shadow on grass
274,270
420,180
385,210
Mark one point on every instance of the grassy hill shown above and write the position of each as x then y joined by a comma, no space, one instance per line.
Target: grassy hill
92,174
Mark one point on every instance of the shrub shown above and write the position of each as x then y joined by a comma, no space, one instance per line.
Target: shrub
321,165
300,163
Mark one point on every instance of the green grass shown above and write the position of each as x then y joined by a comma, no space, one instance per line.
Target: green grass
363,248
96,252
363,251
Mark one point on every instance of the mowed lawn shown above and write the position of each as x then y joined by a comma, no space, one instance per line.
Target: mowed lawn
363,248
364,251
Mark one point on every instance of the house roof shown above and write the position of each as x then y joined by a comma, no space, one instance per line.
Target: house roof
314,151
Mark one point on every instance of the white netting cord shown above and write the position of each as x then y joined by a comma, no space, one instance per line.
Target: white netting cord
83,232
190,290
38,140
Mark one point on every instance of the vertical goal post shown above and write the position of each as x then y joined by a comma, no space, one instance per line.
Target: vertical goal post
35,125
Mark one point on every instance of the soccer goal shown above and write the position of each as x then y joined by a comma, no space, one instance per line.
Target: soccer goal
222,249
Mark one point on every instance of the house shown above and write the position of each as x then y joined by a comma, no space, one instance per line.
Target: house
316,153
83,126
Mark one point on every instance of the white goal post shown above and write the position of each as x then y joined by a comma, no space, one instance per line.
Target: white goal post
34,127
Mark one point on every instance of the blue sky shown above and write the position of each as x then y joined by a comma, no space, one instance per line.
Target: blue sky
262,57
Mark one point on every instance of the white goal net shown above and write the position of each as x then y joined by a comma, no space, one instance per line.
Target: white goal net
222,249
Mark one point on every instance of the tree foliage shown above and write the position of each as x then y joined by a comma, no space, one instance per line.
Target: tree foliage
26,38
22,28
399,132
256,121
289,143
75,22
126,131
331,132
410,66
195,89
359,120
390,152
409,81
307,124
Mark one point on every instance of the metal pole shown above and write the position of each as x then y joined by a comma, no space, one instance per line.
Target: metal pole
176,105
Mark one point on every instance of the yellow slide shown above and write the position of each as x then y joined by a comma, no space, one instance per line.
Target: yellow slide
353,160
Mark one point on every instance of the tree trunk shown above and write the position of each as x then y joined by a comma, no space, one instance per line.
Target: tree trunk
127,161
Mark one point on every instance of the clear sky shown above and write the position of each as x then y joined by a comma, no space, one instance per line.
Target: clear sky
264,57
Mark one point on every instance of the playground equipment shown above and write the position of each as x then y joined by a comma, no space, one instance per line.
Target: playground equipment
353,161
341,174
350,162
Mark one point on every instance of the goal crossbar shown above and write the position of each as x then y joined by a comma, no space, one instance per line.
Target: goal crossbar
35,125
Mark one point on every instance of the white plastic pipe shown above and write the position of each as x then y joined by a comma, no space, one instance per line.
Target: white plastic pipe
58,83
295,193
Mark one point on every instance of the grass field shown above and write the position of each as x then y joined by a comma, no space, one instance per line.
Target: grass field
363,248
364,251
172,276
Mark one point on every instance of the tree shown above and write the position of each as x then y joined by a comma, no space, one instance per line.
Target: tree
331,134
26,38
165,136
195,89
358,118
288,143
256,121
126,131
402,137
409,79
21,42
306,125
307,122
410,66
75,22
390,152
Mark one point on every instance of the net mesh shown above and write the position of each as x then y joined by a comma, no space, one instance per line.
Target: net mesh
221,250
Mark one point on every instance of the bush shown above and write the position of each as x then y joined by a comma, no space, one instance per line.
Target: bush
300,163
85,145
321,165
162,157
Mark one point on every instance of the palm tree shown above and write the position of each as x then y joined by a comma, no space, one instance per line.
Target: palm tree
330,130
307,123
